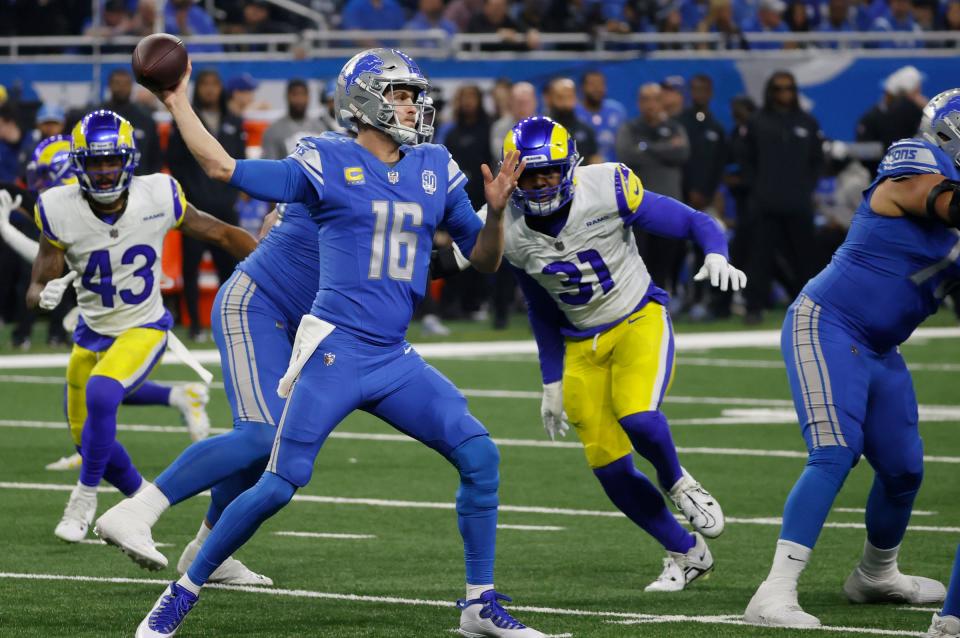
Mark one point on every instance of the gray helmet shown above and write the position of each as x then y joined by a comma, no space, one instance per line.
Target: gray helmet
941,123
361,88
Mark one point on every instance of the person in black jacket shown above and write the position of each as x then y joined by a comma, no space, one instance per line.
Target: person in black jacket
215,198
783,155
120,84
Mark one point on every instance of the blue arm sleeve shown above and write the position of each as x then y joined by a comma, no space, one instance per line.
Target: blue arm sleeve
275,181
461,221
665,216
545,319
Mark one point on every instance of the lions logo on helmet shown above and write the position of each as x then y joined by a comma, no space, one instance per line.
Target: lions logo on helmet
544,144
362,89
941,123
100,135
50,164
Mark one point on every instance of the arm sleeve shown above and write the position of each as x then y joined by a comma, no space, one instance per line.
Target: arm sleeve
545,320
459,218
283,180
665,216
179,203
23,245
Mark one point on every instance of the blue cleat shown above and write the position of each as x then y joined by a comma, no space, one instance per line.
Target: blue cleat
168,612
483,617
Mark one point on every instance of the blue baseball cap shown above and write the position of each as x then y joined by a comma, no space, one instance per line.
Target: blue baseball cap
244,82
51,113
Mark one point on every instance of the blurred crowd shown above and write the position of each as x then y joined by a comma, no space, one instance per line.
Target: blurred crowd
784,194
518,23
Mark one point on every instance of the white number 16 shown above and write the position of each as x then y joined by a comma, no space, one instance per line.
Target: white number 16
398,237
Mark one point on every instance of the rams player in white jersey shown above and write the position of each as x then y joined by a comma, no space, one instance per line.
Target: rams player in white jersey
109,229
603,331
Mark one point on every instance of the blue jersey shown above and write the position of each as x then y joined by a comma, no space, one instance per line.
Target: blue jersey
605,124
376,226
284,265
891,273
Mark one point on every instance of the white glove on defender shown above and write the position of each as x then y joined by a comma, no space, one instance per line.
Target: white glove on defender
551,410
52,293
721,273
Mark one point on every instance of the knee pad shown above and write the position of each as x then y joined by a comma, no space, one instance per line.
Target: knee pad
835,461
103,394
902,487
611,471
274,491
478,461
645,424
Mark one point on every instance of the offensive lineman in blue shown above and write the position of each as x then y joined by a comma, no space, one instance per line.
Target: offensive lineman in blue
851,388
377,201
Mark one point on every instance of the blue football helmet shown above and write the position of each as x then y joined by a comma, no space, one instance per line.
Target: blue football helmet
361,95
50,164
543,143
941,123
100,134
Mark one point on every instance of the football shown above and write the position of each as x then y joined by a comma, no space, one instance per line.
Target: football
159,61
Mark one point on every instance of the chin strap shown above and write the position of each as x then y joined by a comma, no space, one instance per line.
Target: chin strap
953,208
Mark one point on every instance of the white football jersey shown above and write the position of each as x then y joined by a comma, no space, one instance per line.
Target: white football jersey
592,269
118,264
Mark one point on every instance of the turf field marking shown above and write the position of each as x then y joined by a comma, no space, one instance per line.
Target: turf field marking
763,364
330,535
520,509
625,617
532,528
860,510
504,442
738,620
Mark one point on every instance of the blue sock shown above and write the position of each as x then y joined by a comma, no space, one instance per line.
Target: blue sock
813,494
951,605
639,499
239,521
224,492
149,393
650,435
478,462
100,430
208,462
120,472
889,507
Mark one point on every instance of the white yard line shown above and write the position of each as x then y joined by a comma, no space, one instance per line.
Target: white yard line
860,510
519,509
628,617
532,528
329,535
764,364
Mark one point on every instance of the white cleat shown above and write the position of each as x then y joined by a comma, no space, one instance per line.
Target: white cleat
484,617
896,588
191,399
230,572
122,527
167,614
65,463
775,605
944,627
697,505
679,570
79,513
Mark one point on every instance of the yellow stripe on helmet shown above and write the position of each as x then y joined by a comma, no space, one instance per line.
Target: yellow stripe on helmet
78,138
46,157
509,142
125,136
559,142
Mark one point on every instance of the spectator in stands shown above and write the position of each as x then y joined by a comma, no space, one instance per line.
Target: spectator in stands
839,19
430,16
798,18
523,103
720,19
494,18
256,20
604,115
460,12
693,13
899,18
708,145
781,140
656,148
215,198
280,139
183,17
50,120
951,19
768,19
373,15
240,91
500,94
897,115
11,141
560,98
925,13
115,20
144,21
572,16
532,17
673,95
120,85
668,20
735,209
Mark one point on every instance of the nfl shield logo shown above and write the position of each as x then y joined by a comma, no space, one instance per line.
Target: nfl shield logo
114,233
393,177
429,181
329,358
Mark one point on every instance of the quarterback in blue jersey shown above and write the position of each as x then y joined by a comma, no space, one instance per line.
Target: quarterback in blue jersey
376,201
255,315
851,388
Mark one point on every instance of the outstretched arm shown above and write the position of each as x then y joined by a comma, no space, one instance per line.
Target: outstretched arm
914,195
488,249
665,216
233,239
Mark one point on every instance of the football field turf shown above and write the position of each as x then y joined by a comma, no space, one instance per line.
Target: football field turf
370,547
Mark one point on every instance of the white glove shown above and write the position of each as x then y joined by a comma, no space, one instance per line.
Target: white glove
551,410
52,293
8,203
721,273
